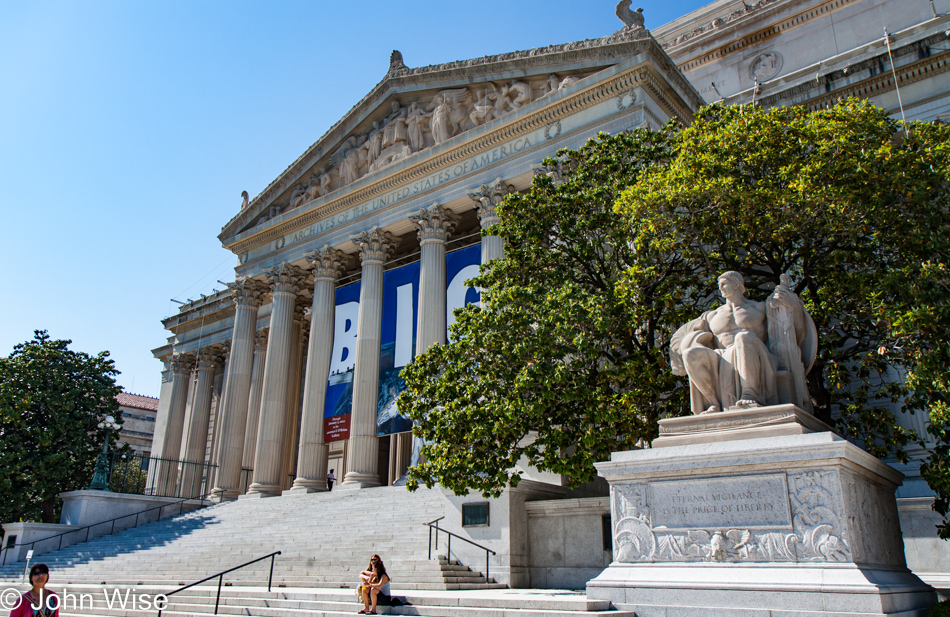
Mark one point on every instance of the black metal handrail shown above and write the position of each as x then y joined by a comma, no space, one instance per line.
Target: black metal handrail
448,551
220,577
181,503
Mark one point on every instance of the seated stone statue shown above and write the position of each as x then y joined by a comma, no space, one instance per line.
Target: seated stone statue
745,353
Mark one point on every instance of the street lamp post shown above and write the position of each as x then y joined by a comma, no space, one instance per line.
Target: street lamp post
100,479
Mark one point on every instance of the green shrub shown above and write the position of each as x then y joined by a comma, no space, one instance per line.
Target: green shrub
940,609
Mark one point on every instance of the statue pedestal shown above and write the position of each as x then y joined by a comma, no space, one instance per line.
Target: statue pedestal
795,524
753,423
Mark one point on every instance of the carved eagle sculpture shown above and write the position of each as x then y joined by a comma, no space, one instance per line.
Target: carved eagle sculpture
630,19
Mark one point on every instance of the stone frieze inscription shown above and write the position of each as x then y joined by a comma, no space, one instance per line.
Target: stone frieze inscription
746,501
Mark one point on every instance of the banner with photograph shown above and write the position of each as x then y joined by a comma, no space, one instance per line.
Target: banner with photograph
397,340
339,401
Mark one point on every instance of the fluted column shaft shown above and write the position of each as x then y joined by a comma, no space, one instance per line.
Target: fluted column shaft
254,401
328,265
171,444
247,295
196,435
434,225
362,464
289,446
285,281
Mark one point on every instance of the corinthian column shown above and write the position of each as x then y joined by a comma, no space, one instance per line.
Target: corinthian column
328,264
375,247
254,404
181,366
247,295
486,199
196,435
434,224
285,281
289,447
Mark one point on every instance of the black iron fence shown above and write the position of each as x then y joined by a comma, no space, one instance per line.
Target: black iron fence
160,477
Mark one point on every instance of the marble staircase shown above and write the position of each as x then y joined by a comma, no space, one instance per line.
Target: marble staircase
325,540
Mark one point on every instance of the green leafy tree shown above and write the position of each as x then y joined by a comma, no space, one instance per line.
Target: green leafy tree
563,368
51,400
854,206
568,360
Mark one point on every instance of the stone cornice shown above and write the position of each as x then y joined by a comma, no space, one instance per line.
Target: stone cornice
734,44
642,75
875,85
611,50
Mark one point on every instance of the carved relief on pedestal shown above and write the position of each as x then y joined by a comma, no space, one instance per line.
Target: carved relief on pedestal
815,532
434,223
375,245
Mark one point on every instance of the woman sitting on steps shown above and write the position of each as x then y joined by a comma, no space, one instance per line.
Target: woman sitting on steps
376,588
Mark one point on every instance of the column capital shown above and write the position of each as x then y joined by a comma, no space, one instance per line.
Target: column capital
182,363
208,358
260,340
328,263
375,245
246,291
434,223
286,278
487,198
300,312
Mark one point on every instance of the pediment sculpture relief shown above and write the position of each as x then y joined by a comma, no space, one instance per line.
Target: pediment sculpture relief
422,124
747,354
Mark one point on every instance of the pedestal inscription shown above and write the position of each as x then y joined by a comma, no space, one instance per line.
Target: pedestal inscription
748,502
732,519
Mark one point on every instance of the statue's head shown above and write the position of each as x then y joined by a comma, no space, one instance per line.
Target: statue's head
731,282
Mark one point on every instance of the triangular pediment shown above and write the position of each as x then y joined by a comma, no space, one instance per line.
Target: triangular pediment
413,110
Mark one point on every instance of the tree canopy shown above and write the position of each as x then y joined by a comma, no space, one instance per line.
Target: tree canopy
620,242
51,401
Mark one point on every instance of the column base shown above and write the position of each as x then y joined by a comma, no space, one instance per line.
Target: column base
308,486
357,480
263,490
221,495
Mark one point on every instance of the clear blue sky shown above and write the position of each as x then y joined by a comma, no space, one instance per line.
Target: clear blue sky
128,130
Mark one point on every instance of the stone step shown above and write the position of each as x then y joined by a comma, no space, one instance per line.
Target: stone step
199,601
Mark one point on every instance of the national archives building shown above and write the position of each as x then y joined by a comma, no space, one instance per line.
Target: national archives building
353,259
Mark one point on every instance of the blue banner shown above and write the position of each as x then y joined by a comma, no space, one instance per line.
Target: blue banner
397,340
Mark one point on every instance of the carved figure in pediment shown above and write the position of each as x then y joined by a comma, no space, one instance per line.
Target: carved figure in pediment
350,166
747,354
550,85
417,122
482,108
374,143
521,92
446,109
568,81
298,197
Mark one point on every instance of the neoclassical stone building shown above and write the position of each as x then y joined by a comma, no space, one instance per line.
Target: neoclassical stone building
351,261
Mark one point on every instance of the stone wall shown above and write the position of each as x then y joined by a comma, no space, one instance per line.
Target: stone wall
565,542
